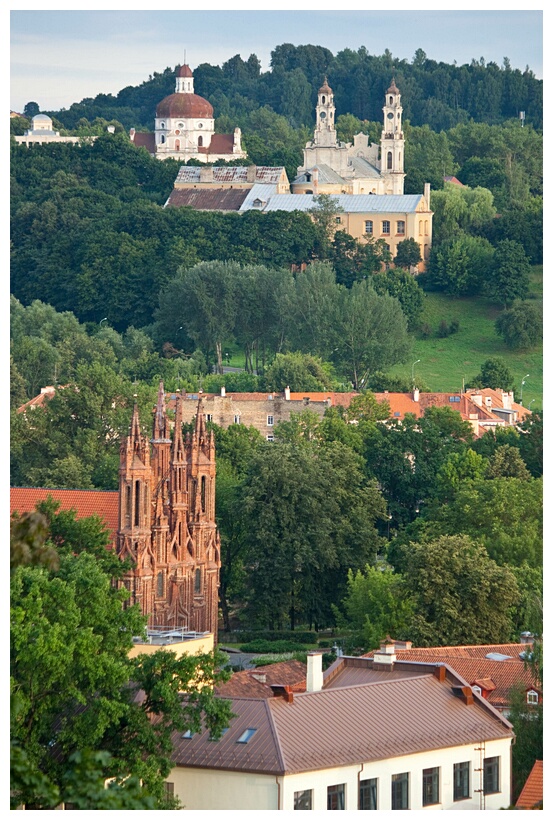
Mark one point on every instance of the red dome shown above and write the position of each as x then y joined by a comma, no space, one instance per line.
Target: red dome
185,71
185,106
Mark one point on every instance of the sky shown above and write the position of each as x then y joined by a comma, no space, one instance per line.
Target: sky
62,56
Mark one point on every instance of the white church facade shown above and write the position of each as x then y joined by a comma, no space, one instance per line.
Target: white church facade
185,128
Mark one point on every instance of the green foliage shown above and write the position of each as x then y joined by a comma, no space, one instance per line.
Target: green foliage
494,373
460,595
460,209
404,287
261,645
375,606
527,720
460,266
298,371
520,326
408,253
510,273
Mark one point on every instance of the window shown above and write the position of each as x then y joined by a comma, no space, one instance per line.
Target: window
246,736
491,775
426,227
458,399
368,794
368,226
198,581
160,585
162,138
400,791
461,781
215,739
338,220
389,161
188,734
303,800
237,419
209,416
270,421
475,689
386,226
401,227
200,142
169,789
532,697
270,438
431,786
336,797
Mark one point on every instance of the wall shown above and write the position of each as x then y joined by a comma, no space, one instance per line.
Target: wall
414,764
213,790
194,646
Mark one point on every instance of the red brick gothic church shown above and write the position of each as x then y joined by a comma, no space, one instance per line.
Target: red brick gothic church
167,521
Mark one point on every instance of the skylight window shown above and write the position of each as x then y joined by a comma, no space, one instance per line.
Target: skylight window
188,734
246,736
222,733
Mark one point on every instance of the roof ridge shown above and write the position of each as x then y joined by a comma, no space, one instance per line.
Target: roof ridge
276,736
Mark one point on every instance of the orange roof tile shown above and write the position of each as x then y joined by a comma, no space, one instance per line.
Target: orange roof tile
400,404
104,503
256,683
532,792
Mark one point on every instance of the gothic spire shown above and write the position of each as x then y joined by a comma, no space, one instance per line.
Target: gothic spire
200,428
177,452
135,437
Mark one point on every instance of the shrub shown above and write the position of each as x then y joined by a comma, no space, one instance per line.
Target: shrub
270,646
520,327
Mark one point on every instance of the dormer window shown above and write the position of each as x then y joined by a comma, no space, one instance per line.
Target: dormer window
476,690
532,697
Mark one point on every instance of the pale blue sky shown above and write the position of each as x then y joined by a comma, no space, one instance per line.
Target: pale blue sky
60,57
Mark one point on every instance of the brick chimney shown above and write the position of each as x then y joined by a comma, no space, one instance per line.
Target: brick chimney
251,173
287,394
314,682
223,392
284,692
427,194
385,657
416,393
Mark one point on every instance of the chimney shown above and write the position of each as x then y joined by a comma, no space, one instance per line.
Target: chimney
236,141
111,129
206,174
287,393
465,693
416,393
439,672
314,681
132,132
427,194
315,181
385,656
260,676
284,692
223,392
527,638
477,399
251,173
49,389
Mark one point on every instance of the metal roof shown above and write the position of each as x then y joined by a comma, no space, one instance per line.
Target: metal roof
260,191
351,203
238,173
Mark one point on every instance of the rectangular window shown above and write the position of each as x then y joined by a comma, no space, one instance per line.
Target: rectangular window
368,226
386,226
368,794
400,791
303,800
431,786
209,417
401,227
461,781
237,419
491,775
169,789
336,797
270,421
338,220
270,438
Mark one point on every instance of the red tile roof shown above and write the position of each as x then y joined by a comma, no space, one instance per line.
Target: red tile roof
219,144
256,683
532,792
202,199
186,106
145,139
104,503
38,401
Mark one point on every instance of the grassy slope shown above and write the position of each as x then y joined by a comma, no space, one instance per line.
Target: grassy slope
446,362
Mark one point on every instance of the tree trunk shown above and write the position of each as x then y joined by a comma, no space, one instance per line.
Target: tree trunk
219,350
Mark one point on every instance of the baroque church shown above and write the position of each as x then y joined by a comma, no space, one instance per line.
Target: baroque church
167,521
185,127
335,167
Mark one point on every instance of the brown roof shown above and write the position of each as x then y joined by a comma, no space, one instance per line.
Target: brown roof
202,199
185,71
185,106
38,401
495,677
219,144
453,180
145,139
400,713
532,792
104,503
343,399
256,683
325,88
400,404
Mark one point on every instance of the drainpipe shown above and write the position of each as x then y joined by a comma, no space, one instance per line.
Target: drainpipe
359,783
279,804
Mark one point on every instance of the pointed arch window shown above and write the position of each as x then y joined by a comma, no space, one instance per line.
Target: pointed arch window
160,590
203,492
136,503
198,581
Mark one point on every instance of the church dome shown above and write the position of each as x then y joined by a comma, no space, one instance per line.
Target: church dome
185,71
393,89
325,88
186,106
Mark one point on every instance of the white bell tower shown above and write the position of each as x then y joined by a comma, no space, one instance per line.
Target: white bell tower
392,142
325,129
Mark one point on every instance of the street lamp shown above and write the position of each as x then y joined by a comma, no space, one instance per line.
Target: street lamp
413,370
523,382
103,320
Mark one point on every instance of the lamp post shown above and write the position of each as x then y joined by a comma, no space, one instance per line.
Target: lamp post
413,370
103,320
523,382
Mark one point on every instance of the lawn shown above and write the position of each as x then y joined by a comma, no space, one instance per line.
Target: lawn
445,363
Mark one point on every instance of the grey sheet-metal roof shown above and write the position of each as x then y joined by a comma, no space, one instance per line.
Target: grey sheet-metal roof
351,203
260,191
326,174
363,168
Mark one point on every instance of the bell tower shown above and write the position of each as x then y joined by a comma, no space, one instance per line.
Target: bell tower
392,142
325,128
